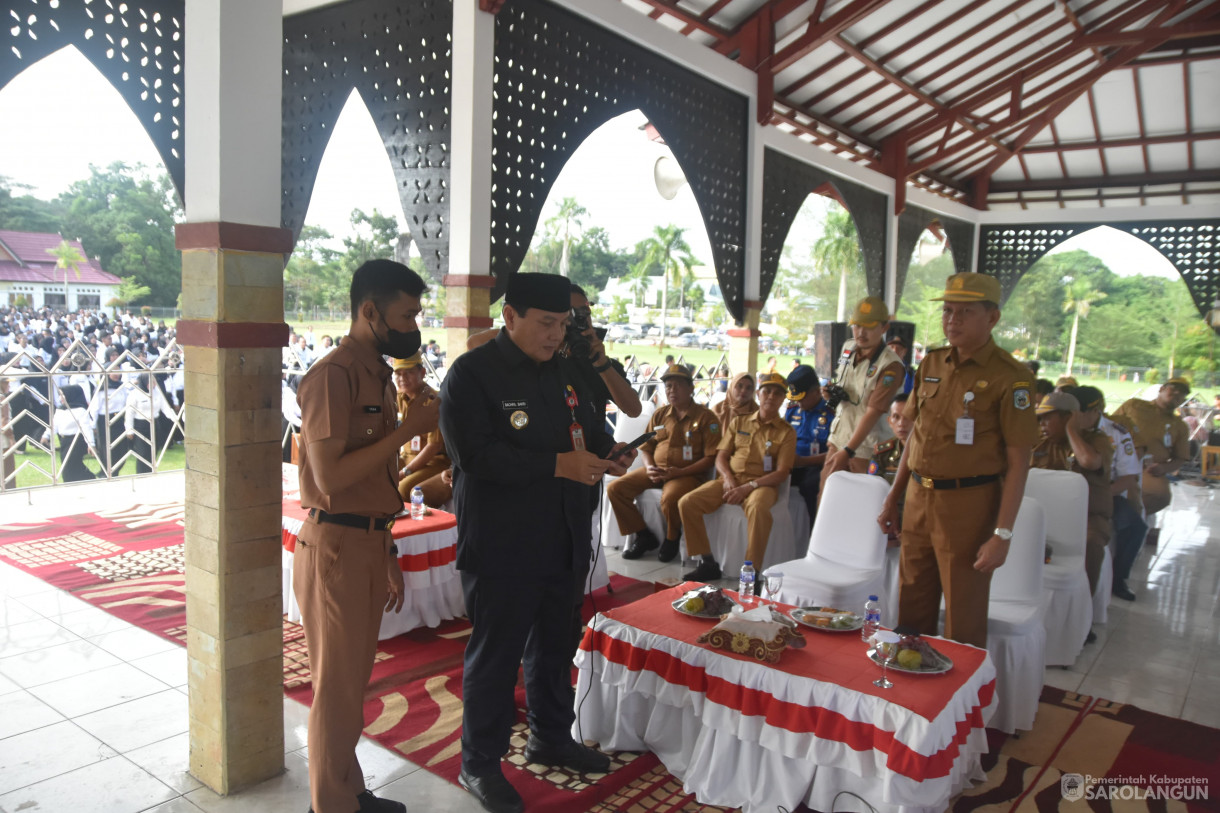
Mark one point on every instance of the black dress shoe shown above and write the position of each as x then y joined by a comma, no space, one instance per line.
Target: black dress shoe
707,571
641,543
1121,590
372,804
669,549
493,791
1091,637
571,755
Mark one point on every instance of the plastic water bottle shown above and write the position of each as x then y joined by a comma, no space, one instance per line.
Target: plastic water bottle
745,587
872,619
417,503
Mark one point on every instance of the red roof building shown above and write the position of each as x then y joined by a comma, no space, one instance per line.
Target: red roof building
28,275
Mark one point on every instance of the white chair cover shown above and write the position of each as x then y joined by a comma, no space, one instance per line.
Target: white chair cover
1016,634
1105,583
728,531
889,600
846,558
799,513
599,574
627,429
1064,497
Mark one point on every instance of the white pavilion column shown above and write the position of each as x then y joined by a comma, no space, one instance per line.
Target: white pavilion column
232,330
469,280
743,341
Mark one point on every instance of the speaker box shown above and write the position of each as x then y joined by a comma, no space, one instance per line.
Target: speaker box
828,339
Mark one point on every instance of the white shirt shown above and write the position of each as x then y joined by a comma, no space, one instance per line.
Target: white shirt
141,407
1124,462
74,422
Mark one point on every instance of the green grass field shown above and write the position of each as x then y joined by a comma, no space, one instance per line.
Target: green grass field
32,465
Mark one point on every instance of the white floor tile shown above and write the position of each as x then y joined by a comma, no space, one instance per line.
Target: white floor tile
92,621
1065,679
54,604
169,667
95,691
422,790
1140,694
20,712
139,722
56,663
296,725
33,635
179,805
7,686
169,760
133,643
114,785
48,752
12,611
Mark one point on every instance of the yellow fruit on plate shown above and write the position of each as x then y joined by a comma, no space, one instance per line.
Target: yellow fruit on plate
910,659
693,604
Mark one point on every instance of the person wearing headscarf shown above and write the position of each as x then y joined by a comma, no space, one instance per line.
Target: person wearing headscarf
74,428
738,401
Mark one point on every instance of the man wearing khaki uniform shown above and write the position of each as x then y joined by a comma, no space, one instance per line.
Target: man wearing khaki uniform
964,468
422,459
676,461
756,454
1161,439
870,374
346,571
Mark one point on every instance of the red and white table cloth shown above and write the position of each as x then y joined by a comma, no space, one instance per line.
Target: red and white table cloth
427,551
740,733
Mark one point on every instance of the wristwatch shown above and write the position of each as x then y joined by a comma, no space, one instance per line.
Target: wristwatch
754,484
850,451
1004,533
603,368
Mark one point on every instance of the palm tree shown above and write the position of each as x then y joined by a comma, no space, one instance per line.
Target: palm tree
1078,299
67,256
569,216
637,282
838,249
668,250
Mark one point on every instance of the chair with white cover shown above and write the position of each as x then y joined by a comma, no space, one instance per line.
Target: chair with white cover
1016,631
1105,583
845,563
627,429
1064,497
799,513
728,531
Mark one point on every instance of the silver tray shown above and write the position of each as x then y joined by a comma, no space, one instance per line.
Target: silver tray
939,669
799,616
677,605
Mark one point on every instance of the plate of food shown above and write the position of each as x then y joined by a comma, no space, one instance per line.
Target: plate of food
915,657
706,602
828,619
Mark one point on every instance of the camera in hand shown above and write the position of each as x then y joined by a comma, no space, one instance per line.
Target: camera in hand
578,344
835,395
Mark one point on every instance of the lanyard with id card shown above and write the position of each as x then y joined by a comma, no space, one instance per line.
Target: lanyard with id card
575,431
768,459
964,436
688,451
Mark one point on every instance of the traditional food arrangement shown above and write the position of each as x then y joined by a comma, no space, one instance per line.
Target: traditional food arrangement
915,656
828,618
705,602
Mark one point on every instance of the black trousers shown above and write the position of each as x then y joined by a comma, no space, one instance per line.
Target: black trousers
72,450
1129,531
516,621
808,480
141,444
111,435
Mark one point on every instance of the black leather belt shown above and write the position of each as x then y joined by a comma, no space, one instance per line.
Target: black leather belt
964,482
353,520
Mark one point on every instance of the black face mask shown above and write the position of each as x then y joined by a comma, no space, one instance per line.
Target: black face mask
397,344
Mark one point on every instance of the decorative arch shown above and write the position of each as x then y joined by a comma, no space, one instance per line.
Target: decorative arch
558,78
137,45
1191,246
911,224
397,56
786,183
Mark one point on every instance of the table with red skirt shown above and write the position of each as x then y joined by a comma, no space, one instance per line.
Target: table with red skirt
743,733
427,551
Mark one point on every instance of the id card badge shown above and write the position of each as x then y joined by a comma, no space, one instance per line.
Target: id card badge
688,453
415,444
578,437
768,463
965,432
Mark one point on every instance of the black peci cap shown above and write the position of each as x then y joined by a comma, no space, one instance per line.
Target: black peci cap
548,292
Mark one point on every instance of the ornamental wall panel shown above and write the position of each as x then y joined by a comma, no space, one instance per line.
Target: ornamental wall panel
911,225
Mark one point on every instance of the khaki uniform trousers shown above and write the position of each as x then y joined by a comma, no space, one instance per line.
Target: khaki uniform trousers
623,491
942,532
707,498
1156,493
1100,530
436,493
856,465
339,577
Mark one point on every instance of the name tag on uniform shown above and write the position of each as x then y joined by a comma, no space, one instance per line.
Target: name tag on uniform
373,409
415,444
965,432
688,453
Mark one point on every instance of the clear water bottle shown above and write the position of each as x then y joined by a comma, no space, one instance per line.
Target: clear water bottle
872,618
745,587
417,503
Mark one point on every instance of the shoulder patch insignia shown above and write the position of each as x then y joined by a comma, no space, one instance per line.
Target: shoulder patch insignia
982,385
872,370
1128,446
872,467
1020,398
715,427
887,380
1024,384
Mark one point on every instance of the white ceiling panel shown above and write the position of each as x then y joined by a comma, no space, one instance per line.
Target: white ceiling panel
1125,160
1075,123
1083,163
1204,93
1010,170
1043,165
1164,100
1116,110
1167,157
1207,154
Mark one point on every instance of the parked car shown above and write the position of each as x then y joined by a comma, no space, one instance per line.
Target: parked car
686,340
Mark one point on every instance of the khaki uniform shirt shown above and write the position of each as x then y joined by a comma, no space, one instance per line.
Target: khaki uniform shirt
750,439
1057,455
416,444
869,383
700,430
348,394
1002,409
1149,424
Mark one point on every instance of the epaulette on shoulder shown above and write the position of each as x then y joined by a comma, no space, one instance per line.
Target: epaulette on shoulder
887,446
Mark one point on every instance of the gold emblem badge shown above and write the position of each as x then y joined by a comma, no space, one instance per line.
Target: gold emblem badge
982,385
519,419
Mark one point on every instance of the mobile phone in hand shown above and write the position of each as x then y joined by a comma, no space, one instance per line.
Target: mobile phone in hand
640,441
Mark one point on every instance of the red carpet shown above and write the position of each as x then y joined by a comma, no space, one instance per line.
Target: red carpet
130,563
